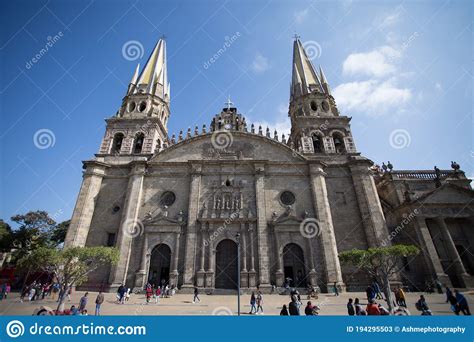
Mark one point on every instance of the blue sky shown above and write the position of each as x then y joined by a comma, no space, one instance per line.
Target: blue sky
401,70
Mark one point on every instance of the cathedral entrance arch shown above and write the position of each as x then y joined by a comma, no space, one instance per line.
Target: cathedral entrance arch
160,261
226,265
293,265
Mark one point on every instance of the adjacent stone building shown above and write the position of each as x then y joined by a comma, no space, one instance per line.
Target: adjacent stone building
178,207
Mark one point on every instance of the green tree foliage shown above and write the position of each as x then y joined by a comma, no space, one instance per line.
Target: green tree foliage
380,263
6,236
70,266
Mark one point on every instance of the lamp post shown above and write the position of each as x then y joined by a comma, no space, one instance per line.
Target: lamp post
237,237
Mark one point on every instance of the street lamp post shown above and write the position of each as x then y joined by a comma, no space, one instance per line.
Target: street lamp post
237,237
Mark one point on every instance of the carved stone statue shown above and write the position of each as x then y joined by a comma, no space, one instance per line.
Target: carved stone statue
455,166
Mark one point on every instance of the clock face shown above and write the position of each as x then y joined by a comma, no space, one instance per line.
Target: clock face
228,126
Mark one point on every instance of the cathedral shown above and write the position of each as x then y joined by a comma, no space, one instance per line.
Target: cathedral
229,199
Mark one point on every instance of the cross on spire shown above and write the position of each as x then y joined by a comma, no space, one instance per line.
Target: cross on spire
229,103
296,36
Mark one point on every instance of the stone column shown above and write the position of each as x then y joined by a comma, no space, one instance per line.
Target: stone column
202,272
327,236
252,272
211,261
369,203
191,233
279,256
130,226
429,251
243,248
453,254
262,231
140,276
82,216
312,271
175,264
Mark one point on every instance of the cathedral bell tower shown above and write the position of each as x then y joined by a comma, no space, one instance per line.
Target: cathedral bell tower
316,126
139,127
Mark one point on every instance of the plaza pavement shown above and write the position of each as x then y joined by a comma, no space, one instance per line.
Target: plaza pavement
181,304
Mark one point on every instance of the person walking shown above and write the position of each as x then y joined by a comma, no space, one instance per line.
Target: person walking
8,290
253,301
376,288
370,293
98,302
336,290
157,295
449,293
259,302
462,304
148,293
401,297
284,311
422,306
293,308
83,302
350,308
121,294
196,295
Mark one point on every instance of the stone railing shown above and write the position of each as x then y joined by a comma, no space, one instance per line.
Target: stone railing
419,174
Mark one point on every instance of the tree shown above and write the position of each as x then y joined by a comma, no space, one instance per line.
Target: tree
58,233
6,237
380,262
70,266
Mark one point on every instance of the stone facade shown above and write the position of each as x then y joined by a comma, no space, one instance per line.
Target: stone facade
179,208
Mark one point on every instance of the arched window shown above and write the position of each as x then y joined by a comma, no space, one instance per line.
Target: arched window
317,144
338,143
138,143
117,143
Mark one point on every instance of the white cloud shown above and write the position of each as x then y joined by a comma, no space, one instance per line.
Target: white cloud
300,16
374,97
281,122
260,63
378,62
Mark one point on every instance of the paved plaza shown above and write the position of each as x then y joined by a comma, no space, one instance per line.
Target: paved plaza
181,304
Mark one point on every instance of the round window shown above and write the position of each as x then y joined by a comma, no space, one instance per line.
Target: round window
287,198
142,106
167,198
131,106
325,106
314,106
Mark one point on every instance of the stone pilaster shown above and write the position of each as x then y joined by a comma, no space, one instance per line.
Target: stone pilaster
85,205
191,232
429,251
244,281
175,262
369,203
453,254
262,232
324,217
210,253
252,272
130,225
140,276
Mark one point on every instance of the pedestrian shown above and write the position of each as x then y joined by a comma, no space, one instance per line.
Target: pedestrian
309,310
127,294
83,302
453,303
449,293
121,294
8,290
157,295
69,292
462,303
370,293
31,294
422,306
359,311
293,308
372,308
98,302
439,286
3,291
350,308
284,311
336,290
148,293
196,295
54,291
376,288
401,297
253,300
259,302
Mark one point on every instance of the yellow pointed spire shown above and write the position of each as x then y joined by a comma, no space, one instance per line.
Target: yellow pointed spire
155,71
303,70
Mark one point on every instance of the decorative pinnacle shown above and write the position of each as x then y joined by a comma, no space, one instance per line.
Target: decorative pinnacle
229,102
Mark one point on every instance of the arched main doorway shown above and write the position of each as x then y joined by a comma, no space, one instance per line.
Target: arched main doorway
160,260
226,265
293,265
